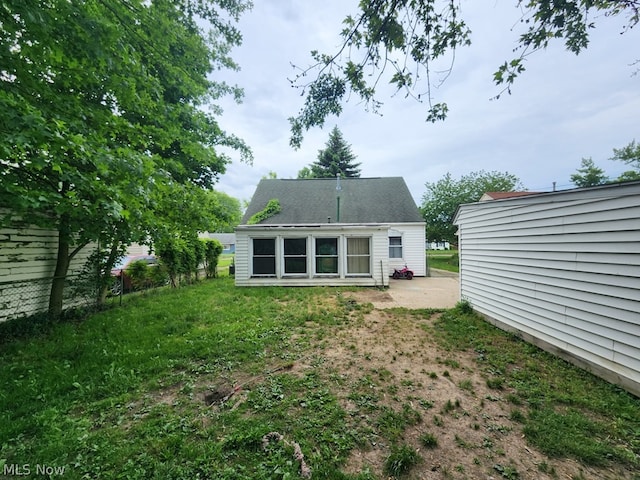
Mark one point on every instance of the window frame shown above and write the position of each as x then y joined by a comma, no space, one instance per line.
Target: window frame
366,255
396,247
286,256
318,256
255,256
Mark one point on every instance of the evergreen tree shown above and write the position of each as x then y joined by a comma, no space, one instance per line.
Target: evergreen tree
336,158
589,175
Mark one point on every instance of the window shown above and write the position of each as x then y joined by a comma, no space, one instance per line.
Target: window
395,247
326,255
295,255
358,256
264,256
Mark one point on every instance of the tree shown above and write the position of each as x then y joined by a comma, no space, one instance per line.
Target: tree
225,211
442,198
103,134
413,43
630,155
589,175
336,158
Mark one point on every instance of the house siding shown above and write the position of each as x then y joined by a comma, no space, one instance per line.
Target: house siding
562,269
379,250
27,263
413,248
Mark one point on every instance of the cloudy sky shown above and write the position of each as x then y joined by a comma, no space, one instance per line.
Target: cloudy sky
562,109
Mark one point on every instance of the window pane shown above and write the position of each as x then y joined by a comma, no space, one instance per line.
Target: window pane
264,246
264,265
264,256
358,265
326,246
357,246
358,257
326,265
295,265
295,246
326,255
395,247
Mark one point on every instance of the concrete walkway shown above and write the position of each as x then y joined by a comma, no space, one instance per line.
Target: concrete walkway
440,290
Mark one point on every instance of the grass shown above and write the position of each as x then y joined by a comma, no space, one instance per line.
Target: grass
188,383
443,260
570,412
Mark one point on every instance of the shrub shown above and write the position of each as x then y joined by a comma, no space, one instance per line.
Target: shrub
212,250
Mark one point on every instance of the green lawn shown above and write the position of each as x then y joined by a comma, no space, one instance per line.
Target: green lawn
139,391
443,260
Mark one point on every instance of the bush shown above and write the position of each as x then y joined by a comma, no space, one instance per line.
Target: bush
212,250
139,273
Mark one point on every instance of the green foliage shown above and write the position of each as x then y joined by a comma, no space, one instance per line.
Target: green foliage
130,384
225,212
335,159
629,154
444,260
181,257
428,440
588,175
272,208
102,127
212,250
442,198
401,460
139,273
412,45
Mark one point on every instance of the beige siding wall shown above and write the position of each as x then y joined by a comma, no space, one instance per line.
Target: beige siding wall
27,263
564,270
379,255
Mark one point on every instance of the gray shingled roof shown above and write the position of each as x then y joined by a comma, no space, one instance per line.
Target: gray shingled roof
311,201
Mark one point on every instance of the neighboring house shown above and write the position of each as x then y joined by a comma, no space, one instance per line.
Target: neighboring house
351,231
27,263
563,270
228,240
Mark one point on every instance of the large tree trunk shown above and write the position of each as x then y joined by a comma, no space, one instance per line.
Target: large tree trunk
62,267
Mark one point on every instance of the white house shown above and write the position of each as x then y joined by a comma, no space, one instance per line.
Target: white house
27,263
563,270
350,231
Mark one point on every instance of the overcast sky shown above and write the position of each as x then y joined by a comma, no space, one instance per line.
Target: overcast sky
562,109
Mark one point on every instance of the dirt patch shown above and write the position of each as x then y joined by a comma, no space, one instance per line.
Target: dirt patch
386,366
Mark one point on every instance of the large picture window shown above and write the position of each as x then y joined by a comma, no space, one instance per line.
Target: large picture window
295,255
326,255
395,247
264,256
358,256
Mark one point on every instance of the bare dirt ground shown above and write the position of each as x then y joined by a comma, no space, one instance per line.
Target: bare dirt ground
391,356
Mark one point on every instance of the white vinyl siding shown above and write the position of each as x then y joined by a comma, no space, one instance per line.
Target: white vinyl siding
563,269
360,259
27,263
413,248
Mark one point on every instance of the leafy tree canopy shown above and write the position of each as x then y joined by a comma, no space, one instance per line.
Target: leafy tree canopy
400,41
102,127
336,158
588,175
442,198
630,155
